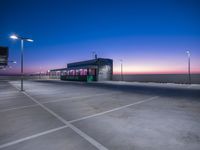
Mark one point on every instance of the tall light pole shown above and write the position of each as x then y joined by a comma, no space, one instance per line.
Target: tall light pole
40,73
22,39
189,75
122,78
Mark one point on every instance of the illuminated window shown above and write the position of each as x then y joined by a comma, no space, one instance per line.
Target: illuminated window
77,72
72,72
91,71
85,72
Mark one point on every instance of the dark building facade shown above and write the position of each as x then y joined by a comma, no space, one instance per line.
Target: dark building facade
99,69
3,57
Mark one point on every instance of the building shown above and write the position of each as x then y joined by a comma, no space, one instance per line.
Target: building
99,69
3,57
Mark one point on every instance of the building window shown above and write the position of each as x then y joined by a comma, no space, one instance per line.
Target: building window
92,71
72,72
77,72
84,72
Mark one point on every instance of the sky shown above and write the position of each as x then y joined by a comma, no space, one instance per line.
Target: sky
149,36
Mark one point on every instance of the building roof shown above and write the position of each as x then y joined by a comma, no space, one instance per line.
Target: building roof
90,62
72,68
93,63
59,69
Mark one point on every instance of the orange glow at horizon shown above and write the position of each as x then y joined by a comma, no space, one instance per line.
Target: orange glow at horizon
154,70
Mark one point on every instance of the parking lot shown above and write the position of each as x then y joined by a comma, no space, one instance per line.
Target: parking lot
56,115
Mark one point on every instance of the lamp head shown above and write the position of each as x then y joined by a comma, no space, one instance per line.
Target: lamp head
29,40
14,37
188,52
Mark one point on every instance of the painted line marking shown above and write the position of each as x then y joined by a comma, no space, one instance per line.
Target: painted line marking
79,97
32,137
69,98
78,131
20,107
4,93
68,123
115,109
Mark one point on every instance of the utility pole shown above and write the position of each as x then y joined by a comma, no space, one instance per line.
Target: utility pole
189,74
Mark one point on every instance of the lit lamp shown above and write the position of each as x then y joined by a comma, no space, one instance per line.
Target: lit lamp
16,37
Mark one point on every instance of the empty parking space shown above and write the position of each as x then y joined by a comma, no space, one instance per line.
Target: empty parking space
10,98
76,108
67,115
24,122
59,140
15,101
154,125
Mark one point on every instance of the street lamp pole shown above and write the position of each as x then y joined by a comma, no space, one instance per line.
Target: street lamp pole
22,55
40,73
22,62
189,74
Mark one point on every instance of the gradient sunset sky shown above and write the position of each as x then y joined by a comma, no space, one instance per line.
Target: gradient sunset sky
150,36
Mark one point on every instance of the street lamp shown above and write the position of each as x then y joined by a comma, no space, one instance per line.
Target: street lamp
189,76
122,78
16,37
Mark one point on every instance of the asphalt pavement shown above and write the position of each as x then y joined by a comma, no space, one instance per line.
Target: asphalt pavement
52,114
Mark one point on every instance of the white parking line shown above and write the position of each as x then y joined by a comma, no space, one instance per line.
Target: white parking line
115,109
78,131
20,107
67,98
79,97
69,123
7,93
32,136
